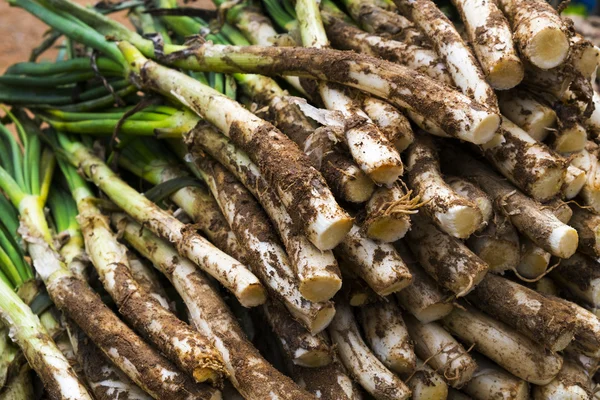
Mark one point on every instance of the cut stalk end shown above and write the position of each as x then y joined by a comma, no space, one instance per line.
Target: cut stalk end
563,241
386,174
533,263
563,341
252,296
207,374
434,312
320,287
331,233
461,221
358,190
574,182
548,48
507,73
483,130
388,228
571,140
313,359
548,185
322,319
500,256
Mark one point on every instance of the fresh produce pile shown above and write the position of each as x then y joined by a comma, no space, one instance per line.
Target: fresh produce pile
300,200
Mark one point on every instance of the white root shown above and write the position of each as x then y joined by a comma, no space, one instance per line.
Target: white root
463,66
378,264
572,382
539,33
529,217
423,298
497,244
528,312
581,275
545,172
490,35
514,352
530,115
426,384
441,351
587,160
444,258
387,213
451,212
493,382
392,123
362,365
386,335
470,191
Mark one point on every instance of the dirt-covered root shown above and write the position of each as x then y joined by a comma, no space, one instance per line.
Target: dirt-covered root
104,379
451,212
587,225
497,244
581,275
441,351
358,359
574,181
530,313
144,275
514,352
423,59
302,348
378,264
534,260
358,293
444,258
394,125
490,35
529,114
544,175
386,335
572,382
425,383
330,382
249,372
387,213
587,329
492,382
538,31
140,362
424,298
587,160
531,218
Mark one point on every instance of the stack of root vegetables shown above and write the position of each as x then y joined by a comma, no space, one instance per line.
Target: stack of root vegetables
302,199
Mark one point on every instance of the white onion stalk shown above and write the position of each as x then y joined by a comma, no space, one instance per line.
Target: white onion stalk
490,35
442,352
530,313
451,212
539,33
533,117
493,382
362,365
211,316
386,335
514,352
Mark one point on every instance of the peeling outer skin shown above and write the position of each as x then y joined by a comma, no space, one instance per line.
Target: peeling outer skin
266,255
390,121
327,383
361,364
454,113
497,244
425,60
302,348
191,351
447,260
572,382
470,191
387,337
587,329
493,382
490,35
452,213
587,160
249,372
530,115
537,28
444,354
424,299
378,264
387,213
106,381
199,204
426,384
587,225
229,272
514,352
140,362
300,186
317,271
529,165
146,278
530,313
463,66
527,215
